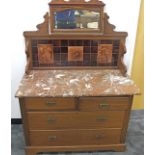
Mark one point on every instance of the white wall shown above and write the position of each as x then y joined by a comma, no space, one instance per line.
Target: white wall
26,14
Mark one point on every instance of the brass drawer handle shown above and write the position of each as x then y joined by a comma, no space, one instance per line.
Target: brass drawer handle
50,103
50,138
102,118
51,120
104,105
99,136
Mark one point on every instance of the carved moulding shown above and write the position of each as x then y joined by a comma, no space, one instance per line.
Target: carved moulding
44,27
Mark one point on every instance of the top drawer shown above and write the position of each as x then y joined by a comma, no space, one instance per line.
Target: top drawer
50,103
103,103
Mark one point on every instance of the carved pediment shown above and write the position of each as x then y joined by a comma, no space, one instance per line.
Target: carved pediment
96,2
44,27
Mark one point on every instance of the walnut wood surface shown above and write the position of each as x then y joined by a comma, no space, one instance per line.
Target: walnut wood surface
85,120
74,120
50,104
103,103
84,103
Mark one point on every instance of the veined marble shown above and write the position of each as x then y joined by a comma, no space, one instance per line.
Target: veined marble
74,83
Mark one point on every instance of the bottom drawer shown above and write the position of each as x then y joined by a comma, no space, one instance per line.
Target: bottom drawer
75,137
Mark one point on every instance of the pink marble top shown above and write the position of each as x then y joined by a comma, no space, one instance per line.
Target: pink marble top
74,83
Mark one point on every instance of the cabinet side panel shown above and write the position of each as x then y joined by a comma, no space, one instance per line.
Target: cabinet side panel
126,120
24,120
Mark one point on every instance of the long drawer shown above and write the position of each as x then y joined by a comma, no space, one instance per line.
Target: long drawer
103,103
50,103
75,137
75,120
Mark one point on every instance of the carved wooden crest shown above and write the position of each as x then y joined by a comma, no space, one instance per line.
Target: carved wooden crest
99,2
45,54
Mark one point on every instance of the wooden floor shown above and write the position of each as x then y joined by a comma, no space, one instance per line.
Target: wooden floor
135,139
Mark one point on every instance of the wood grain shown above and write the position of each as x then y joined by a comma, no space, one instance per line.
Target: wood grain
50,103
103,103
75,120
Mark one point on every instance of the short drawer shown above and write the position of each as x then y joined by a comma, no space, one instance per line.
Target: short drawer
75,120
75,137
103,103
50,103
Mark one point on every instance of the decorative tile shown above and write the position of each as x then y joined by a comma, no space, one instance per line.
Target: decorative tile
104,55
45,54
75,53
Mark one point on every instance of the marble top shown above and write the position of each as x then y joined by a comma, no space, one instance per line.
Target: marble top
75,83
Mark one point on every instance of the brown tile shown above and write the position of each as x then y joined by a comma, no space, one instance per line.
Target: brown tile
104,55
45,54
75,53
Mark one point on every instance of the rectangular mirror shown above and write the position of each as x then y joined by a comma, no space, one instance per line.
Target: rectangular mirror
77,19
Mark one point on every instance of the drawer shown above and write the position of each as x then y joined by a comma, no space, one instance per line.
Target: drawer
75,137
103,103
75,120
50,103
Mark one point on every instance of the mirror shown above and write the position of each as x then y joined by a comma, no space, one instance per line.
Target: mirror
76,19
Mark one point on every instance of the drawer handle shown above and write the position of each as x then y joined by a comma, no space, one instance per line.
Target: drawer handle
104,105
101,118
50,138
50,103
51,119
99,136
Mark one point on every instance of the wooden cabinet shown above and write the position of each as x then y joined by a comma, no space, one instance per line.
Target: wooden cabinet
75,124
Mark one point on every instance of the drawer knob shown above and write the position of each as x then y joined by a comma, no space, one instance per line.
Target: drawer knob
102,118
50,138
99,136
104,105
51,119
50,103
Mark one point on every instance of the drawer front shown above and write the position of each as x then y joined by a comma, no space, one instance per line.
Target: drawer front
103,103
75,137
75,120
50,103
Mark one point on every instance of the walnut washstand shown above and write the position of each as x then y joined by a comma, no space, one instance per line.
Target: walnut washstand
75,94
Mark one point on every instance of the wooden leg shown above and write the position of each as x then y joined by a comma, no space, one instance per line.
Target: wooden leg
30,152
120,148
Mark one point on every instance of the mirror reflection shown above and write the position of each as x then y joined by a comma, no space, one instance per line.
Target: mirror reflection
77,19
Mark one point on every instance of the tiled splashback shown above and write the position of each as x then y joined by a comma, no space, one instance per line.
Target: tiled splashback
58,53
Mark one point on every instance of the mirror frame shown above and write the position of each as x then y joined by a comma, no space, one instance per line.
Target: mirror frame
78,6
